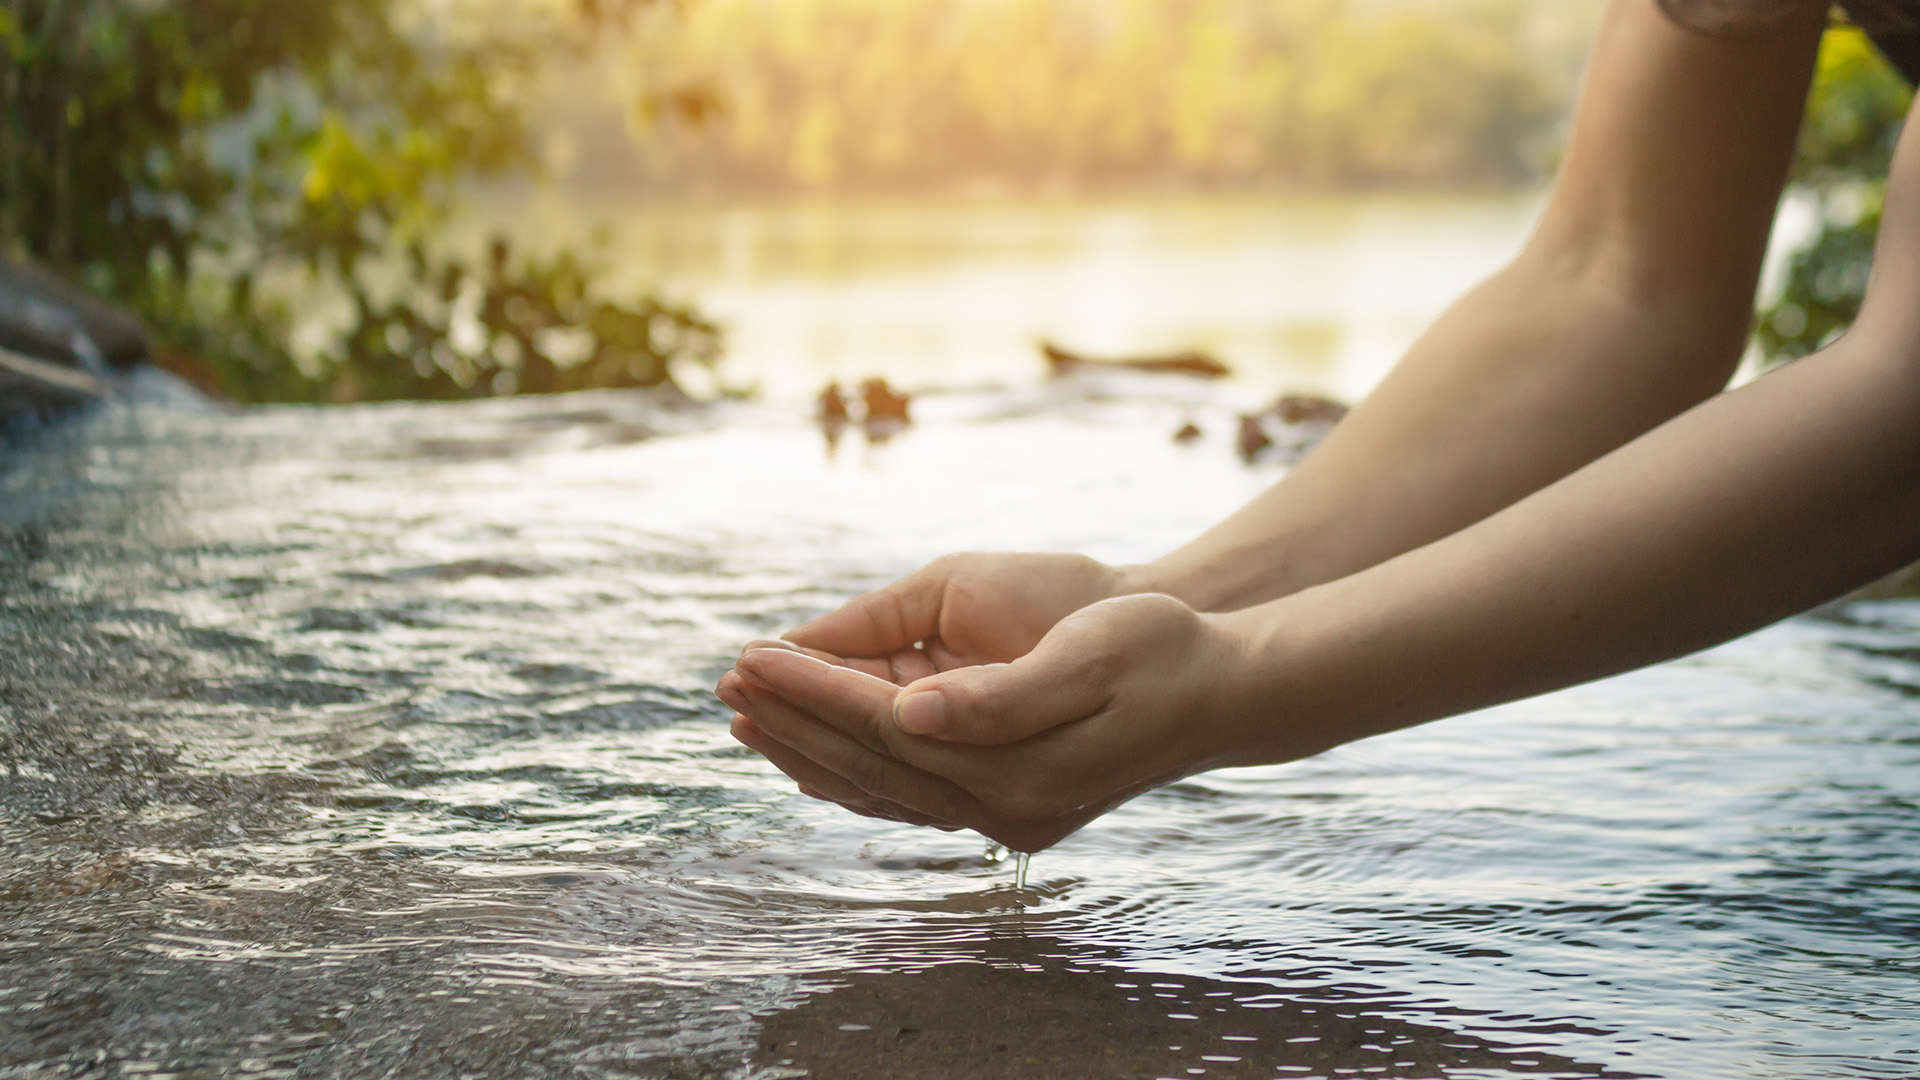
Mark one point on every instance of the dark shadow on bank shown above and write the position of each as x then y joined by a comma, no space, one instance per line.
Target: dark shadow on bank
1029,1008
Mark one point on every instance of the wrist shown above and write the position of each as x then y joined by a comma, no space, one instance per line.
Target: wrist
1136,578
1203,588
1220,582
1284,693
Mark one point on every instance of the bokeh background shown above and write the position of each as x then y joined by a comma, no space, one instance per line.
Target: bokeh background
350,200
345,736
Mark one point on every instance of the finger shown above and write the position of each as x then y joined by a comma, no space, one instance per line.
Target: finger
878,775
854,704
905,666
880,667
1067,677
813,780
731,691
859,709
817,782
943,658
996,787
881,622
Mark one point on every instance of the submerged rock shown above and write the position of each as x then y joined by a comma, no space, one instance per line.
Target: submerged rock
833,404
1289,427
59,347
883,402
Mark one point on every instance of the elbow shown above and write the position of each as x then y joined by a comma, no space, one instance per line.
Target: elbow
1688,318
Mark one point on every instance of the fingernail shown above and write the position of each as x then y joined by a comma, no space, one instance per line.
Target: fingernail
924,713
729,692
744,666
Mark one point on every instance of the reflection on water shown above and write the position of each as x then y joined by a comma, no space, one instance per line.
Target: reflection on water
377,741
1316,294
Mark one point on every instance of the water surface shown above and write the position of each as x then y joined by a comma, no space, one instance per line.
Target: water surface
1314,293
376,741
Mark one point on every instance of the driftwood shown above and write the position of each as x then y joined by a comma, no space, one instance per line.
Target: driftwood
1192,362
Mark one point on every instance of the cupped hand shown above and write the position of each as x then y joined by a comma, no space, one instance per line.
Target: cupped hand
1119,697
962,610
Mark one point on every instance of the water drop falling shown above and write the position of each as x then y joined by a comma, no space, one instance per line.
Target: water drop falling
1020,870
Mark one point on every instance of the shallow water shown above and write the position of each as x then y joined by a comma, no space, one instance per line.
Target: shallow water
377,741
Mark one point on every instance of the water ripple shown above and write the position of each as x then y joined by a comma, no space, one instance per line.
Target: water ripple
367,741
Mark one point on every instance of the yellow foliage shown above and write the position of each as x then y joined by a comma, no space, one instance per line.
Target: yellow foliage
353,171
918,92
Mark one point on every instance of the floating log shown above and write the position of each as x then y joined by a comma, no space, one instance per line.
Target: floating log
1190,362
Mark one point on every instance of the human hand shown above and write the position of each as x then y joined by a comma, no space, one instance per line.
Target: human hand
1120,697
961,610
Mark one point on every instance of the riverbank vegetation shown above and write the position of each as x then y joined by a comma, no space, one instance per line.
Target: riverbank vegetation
267,183
273,185
1854,116
930,94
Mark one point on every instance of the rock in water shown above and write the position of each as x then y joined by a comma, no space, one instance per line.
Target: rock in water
59,347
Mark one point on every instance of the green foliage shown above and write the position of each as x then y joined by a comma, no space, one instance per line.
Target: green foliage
927,93
224,166
539,329
1854,115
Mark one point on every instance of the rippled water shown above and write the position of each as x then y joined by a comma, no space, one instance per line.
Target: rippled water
376,741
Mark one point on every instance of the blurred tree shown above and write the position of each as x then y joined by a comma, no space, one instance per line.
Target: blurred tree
1854,115
927,93
214,163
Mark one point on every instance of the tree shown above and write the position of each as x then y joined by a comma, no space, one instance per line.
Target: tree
209,163
1854,115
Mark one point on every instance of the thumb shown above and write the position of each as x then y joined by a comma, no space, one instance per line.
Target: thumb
881,622
1057,683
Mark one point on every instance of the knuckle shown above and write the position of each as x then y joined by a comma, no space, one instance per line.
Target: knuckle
972,701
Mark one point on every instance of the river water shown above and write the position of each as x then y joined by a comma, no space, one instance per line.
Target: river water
377,741
1319,294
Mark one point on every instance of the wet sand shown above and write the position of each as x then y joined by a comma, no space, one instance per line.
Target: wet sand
1049,1020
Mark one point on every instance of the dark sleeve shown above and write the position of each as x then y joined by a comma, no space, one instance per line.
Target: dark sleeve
1902,49
1894,26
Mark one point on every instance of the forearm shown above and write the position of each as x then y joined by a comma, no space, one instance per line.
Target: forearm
1529,377
1748,508
1630,304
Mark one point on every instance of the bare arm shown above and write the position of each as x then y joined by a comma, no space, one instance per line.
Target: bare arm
1744,509
1629,305
1748,508
1534,498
